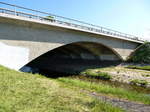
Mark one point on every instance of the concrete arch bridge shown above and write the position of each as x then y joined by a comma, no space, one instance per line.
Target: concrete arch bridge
34,41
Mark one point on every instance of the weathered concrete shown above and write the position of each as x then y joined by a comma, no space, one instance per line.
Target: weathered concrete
40,38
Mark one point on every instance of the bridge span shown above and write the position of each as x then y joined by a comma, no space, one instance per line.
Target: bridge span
44,39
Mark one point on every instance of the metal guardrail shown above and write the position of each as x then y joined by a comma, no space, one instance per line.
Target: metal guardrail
43,16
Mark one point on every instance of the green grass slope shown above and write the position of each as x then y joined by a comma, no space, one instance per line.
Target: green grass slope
22,92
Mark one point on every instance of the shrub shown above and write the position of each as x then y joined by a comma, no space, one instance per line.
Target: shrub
139,82
98,75
142,54
104,75
139,67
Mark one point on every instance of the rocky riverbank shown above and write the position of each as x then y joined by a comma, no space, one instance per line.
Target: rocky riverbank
126,75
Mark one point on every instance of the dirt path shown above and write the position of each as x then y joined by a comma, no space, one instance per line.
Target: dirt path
129,106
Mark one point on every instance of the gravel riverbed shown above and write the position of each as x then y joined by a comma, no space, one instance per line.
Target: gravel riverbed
126,75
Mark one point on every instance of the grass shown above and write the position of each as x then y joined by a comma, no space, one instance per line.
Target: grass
139,67
98,75
23,92
108,90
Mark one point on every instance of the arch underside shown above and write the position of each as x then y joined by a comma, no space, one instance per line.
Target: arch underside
75,57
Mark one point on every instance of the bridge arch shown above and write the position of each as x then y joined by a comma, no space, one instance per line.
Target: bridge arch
76,56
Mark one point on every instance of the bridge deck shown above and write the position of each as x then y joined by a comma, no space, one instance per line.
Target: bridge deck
50,19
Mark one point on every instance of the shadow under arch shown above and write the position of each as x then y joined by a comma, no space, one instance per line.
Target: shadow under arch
73,58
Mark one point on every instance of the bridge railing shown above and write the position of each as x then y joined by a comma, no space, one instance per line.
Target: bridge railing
47,17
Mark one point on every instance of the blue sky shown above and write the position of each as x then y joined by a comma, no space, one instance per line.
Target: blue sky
128,16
